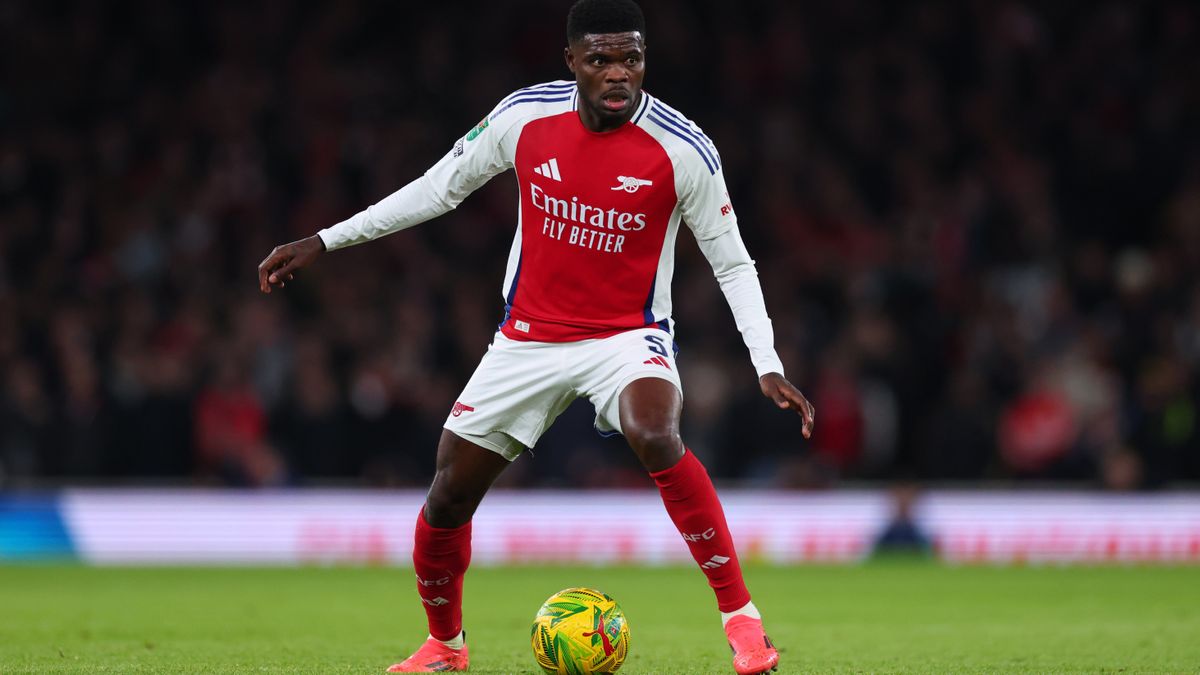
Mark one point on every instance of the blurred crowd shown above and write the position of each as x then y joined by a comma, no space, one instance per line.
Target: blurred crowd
977,225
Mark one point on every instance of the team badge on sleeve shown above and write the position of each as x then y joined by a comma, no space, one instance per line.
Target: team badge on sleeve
474,133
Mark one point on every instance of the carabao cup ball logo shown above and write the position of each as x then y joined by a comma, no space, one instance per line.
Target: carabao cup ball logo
580,631
474,133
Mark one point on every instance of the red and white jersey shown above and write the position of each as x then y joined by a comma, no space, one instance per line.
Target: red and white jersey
593,253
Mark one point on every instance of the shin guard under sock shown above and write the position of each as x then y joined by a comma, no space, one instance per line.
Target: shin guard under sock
692,503
440,559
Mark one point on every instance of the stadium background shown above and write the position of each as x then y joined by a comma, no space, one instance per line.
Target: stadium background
977,226
978,230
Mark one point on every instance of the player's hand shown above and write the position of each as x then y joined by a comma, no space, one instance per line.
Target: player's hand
788,397
280,267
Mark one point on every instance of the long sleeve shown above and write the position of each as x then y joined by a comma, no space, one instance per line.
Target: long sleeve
708,212
738,279
411,205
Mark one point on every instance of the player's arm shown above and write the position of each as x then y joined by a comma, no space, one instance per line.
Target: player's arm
707,211
738,278
474,159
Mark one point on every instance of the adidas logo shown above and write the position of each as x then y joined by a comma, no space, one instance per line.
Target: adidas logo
657,361
549,170
715,562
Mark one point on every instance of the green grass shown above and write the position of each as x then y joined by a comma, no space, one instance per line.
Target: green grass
883,617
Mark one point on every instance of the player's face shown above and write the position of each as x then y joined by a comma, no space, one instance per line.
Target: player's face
608,68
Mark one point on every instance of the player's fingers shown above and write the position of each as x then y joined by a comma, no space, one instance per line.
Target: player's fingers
778,397
284,273
797,402
269,271
264,269
794,399
810,418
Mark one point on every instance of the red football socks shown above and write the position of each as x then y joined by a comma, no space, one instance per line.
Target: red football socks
692,503
440,559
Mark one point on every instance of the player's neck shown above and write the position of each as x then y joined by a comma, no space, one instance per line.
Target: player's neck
597,123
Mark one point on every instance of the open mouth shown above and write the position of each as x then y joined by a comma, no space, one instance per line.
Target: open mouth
615,100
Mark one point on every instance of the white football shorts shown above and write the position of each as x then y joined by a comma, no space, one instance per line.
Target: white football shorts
520,388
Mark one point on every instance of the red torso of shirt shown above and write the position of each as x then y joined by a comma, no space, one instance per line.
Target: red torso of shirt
594,214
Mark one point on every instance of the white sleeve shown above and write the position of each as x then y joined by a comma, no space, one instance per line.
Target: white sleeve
738,278
475,158
709,214
705,201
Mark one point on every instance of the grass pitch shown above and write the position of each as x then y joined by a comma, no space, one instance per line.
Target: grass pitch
880,617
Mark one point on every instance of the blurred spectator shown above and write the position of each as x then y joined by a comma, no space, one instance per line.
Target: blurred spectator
231,431
902,535
838,440
311,421
27,423
1121,471
960,441
1164,431
1037,430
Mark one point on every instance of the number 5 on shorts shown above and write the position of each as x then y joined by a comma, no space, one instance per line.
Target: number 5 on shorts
656,345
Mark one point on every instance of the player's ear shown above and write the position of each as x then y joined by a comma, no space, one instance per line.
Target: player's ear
570,59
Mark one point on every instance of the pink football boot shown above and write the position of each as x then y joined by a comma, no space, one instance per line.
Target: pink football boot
753,652
433,657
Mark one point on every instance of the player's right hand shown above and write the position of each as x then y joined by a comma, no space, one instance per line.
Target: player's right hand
280,266
787,397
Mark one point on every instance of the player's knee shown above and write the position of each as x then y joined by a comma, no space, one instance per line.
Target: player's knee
658,446
447,507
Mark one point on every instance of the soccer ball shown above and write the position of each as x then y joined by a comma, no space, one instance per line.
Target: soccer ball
580,631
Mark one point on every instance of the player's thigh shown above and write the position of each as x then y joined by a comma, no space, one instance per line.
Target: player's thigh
649,406
649,409
516,392
612,364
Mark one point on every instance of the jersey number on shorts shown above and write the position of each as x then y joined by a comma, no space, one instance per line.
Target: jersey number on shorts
656,345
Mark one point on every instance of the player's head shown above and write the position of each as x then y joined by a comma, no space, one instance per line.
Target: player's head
606,50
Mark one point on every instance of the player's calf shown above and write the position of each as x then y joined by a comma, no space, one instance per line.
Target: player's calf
440,559
692,503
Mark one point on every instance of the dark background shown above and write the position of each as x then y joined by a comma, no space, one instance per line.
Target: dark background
977,226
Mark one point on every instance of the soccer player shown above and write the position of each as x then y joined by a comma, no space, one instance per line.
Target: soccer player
606,174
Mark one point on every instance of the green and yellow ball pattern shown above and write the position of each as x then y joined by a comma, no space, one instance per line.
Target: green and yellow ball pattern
580,631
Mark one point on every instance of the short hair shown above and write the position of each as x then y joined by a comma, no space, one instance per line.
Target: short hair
589,17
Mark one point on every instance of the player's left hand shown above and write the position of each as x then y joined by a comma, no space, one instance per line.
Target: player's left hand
281,265
788,397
